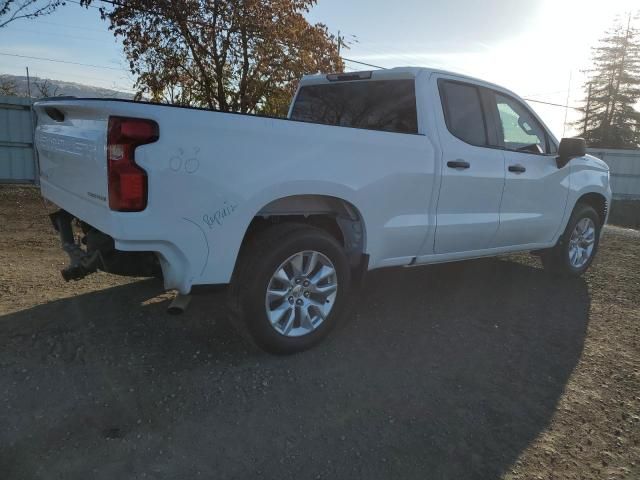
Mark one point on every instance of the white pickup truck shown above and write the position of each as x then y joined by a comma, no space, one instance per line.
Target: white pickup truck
399,167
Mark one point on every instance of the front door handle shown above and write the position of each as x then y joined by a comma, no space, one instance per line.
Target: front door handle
517,169
461,164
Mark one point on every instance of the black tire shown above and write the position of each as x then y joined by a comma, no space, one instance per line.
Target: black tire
556,260
259,260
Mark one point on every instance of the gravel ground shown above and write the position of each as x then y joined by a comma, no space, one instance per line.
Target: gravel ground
484,369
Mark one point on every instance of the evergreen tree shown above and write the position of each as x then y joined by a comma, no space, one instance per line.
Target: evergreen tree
610,118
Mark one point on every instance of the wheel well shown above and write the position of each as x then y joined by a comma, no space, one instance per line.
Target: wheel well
598,202
337,217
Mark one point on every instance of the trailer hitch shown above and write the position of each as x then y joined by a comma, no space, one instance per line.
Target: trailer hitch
82,263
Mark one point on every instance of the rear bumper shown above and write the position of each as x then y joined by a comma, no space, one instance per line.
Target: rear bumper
132,232
96,251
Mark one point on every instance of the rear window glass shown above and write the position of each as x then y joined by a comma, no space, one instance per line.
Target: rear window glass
463,112
386,105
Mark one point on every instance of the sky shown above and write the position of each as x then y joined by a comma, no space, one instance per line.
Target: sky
537,48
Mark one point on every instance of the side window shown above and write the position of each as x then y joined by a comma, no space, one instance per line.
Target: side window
519,129
463,112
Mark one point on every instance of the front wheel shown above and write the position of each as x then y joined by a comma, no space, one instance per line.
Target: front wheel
290,288
578,245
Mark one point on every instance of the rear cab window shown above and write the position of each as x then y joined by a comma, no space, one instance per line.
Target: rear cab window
383,105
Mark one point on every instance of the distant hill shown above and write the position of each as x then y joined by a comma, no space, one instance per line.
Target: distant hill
62,88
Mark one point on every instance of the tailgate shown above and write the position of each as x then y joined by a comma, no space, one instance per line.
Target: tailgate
71,142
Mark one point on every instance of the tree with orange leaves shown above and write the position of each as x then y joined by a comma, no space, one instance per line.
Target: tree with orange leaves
233,55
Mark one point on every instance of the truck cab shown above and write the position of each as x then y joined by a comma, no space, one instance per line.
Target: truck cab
499,182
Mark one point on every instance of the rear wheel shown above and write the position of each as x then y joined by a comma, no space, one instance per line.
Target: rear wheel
577,247
290,288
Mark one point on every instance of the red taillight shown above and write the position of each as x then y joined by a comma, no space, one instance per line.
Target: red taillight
127,181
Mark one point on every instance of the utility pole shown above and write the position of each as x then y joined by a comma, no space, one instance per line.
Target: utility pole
587,111
28,83
566,110
36,161
339,42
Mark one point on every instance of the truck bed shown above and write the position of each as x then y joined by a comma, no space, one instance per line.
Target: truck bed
210,173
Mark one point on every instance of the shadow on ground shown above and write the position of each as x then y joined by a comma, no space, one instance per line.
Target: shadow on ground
440,372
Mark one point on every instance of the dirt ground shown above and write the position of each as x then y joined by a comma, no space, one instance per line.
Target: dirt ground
485,369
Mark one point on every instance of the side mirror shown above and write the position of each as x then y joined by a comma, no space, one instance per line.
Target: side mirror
570,148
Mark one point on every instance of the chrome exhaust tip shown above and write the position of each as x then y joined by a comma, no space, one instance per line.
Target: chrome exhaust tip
179,304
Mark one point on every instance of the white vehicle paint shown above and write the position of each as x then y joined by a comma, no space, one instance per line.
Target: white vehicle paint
210,174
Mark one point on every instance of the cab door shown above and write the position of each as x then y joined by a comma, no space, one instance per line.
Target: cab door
536,190
472,172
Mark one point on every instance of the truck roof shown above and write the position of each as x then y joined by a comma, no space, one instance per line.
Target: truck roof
397,73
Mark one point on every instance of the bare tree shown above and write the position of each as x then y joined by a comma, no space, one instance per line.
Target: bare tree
8,88
11,10
46,89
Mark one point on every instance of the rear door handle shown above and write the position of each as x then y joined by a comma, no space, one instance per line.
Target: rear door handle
459,164
517,169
